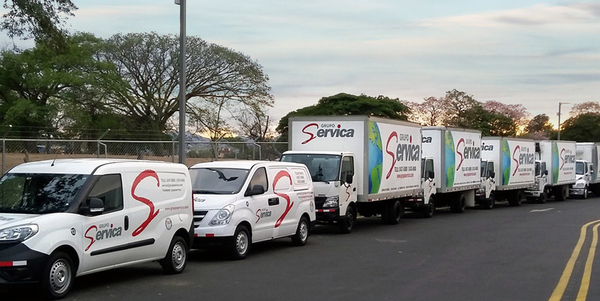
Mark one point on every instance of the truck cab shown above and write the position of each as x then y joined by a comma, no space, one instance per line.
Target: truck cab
424,201
583,171
334,180
539,190
484,196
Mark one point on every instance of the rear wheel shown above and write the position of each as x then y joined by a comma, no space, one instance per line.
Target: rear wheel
240,243
176,258
301,236
458,204
346,223
392,212
516,198
58,276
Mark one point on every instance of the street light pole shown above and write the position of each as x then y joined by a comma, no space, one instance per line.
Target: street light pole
559,105
182,85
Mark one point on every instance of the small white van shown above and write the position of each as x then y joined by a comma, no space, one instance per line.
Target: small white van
238,203
71,217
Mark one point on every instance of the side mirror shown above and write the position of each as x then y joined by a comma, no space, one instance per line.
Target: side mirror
546,172
96,206
255,190
349,177
492,174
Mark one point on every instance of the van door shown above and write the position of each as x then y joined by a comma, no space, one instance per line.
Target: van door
264,205
105,234
286,216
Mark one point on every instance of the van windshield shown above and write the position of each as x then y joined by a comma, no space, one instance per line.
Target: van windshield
323,168
38,193
218,180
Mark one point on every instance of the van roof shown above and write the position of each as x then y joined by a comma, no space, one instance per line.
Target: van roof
243,164
84,166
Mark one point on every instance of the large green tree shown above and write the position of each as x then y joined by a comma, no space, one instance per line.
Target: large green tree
42,20
35,84
216,77
539,127
347,104
582,128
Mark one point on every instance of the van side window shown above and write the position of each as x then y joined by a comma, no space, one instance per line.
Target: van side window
260,178
108,189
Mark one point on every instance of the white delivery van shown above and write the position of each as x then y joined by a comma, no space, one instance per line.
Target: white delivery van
65,218
238,203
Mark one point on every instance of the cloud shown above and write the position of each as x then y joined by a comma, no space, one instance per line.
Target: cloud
536,15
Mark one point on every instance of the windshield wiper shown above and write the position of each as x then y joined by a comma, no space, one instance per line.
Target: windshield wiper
205,192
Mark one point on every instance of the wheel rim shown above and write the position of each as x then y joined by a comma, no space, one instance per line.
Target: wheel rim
303,231
350,219
60,276
178,256
241,243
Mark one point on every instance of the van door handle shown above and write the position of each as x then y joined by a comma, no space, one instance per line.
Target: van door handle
126,222
273,201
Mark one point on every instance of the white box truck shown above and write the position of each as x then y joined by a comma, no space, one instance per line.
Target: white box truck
358,164
554,170
456,155
586,170
507,169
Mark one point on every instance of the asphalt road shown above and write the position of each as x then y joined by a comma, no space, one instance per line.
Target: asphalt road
507,253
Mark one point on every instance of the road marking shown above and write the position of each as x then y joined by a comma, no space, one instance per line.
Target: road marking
587,273
566,275
541,210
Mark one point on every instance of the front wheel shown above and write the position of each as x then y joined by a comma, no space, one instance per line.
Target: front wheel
346,223
458,204
429,209
176,258
302,232
240,243
489,203
58,276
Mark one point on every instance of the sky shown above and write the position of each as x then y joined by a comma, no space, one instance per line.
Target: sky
534,53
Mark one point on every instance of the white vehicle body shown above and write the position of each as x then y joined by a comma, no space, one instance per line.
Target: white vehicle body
359,164
555,170
81,216
586,170
238,203
457,159
508,168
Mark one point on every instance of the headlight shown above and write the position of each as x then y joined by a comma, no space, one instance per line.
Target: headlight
18,233
223,217
331,202
579,185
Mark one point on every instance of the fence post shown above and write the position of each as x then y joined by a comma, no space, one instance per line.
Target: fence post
98,146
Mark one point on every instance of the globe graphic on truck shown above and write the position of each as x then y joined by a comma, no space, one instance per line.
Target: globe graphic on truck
375,158
505,163
450,154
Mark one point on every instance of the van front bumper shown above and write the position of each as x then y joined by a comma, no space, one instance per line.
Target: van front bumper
328,215
20,265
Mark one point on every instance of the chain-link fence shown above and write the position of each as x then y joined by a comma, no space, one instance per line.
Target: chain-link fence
17,151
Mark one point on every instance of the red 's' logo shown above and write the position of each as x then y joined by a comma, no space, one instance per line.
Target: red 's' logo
289,204
152,214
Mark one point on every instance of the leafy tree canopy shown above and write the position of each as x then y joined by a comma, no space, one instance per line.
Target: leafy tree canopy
347,104
582,128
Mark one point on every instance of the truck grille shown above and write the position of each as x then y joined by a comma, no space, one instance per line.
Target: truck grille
319,201
198,217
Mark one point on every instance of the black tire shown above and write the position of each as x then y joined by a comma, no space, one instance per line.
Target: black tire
543,198
58,276
561,193
346,223
429,209
392,212
458,204
585,194
488,204
240,243
302,232
516,198
176,258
